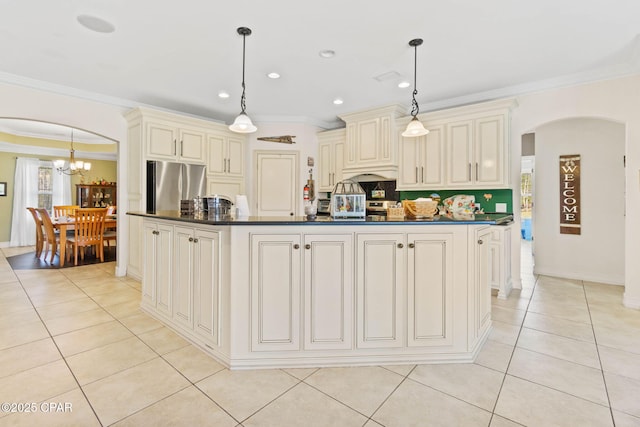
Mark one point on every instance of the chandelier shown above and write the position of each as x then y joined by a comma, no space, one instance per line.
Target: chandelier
75,167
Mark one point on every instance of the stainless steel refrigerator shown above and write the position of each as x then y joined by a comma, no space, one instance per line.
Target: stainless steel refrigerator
169,182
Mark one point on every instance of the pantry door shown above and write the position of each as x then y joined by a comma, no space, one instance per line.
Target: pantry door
276,183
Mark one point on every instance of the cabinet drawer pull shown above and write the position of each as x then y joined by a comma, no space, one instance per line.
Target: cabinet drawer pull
296,246
400,246
307,246
412,245
480,241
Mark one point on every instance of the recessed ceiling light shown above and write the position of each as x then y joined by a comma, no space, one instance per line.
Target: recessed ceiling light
96,24
403,85
223,94
338,101
327,53
273,75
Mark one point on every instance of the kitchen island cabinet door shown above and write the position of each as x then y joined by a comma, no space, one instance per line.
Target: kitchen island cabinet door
183,279
156,284
430,289
480,282
207,285
328,291
380,290
275,292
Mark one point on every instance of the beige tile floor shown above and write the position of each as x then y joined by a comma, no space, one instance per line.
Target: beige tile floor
561,353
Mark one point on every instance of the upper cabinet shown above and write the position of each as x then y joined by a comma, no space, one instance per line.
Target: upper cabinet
331,158
466,147
226,155
422,160
477,153
172,141
372,142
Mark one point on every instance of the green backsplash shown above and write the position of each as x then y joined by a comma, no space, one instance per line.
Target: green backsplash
497,196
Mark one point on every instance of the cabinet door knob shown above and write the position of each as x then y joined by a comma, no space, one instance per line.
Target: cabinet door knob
480,241
296,246
400,246
195,240
307,246
191,239
412,245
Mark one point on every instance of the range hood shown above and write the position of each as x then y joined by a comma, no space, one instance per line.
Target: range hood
370,177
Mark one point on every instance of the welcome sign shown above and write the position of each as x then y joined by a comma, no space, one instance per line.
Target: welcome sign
570,194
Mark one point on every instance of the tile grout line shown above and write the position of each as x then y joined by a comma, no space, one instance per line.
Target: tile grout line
595,339
506,371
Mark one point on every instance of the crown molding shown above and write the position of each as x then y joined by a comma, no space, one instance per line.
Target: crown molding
9,147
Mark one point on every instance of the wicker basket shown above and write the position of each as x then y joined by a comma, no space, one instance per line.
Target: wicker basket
420,209
395,213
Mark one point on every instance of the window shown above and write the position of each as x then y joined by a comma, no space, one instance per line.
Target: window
45,188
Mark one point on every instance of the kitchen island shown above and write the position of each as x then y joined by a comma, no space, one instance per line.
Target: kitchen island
287,292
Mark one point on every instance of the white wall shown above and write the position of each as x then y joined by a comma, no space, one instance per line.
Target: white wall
597,254
616,100
103,119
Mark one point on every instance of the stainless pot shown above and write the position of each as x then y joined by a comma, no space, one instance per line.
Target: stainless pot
218,205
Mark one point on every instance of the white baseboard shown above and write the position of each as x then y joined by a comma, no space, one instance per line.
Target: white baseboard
630,302
579,276
4,244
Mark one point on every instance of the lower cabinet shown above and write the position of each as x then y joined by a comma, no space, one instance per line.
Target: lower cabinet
182,277
480,279
158,259
283,266
380,291
501,276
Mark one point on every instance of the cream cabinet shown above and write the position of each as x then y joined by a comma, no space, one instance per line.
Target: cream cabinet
328,291
500,246
171,141
158,266
225,187
380,289
371,142
275,292
430,284
226,155
330,158
422,161
196,281
286,266
480,281
477,153
182,278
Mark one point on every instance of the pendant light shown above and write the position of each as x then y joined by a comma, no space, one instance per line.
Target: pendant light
415,127
242,123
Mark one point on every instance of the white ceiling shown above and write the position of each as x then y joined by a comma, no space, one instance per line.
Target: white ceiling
179,55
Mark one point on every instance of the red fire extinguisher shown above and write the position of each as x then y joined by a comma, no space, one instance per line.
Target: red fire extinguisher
306,192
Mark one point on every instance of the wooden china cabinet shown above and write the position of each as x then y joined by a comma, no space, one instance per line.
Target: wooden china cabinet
96,195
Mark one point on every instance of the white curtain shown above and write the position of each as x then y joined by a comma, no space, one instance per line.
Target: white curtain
25,194
23,228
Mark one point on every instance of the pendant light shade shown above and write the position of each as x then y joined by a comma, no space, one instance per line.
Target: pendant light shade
415,127
242,123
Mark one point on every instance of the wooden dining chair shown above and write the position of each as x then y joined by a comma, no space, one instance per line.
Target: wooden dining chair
88,231
110,232
51,238
64,210
39,231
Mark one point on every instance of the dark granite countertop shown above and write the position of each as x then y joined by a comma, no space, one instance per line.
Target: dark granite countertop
488,218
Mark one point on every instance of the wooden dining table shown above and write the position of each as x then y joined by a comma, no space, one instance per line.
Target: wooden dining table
64,224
